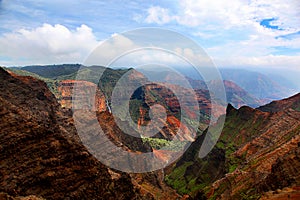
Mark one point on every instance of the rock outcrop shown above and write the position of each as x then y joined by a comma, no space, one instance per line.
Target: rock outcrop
83,94
179,103
40,153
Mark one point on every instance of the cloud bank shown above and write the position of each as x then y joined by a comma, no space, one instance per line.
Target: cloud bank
47,44
262,32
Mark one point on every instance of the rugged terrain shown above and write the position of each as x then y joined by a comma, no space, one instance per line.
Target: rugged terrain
257,152
253,89
40,153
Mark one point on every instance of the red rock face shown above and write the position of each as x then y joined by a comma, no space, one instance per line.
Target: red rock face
183,103
87,96
40,153
141,121
164,95
268,150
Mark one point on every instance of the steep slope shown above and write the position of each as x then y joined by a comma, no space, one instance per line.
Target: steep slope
150,183
40,153
86,92
51,83
257,152
266,160
164,95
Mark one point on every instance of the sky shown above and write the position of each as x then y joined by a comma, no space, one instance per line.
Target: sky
235,33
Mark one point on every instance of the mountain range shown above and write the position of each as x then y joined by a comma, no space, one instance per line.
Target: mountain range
256,156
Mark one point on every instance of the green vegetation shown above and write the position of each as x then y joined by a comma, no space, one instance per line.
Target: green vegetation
223,186
296,106
197,174
52,84
109,79
53,71
53,74
164,144
134,109
249,195
178,181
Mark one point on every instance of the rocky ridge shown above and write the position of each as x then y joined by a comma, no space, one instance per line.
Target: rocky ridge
40,152
257,152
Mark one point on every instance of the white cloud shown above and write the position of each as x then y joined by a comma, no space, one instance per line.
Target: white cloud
219,16
47,44
210,14
259,51
110,49
158,15
232,31
121,50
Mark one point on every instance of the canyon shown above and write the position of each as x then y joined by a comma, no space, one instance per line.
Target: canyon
42,156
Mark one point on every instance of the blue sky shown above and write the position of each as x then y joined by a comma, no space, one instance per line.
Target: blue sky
243,33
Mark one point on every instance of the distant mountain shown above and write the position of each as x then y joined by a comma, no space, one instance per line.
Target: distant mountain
105,78
283,81
257,84
53,71
243,87
261,85
236,95
287,77
258,88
